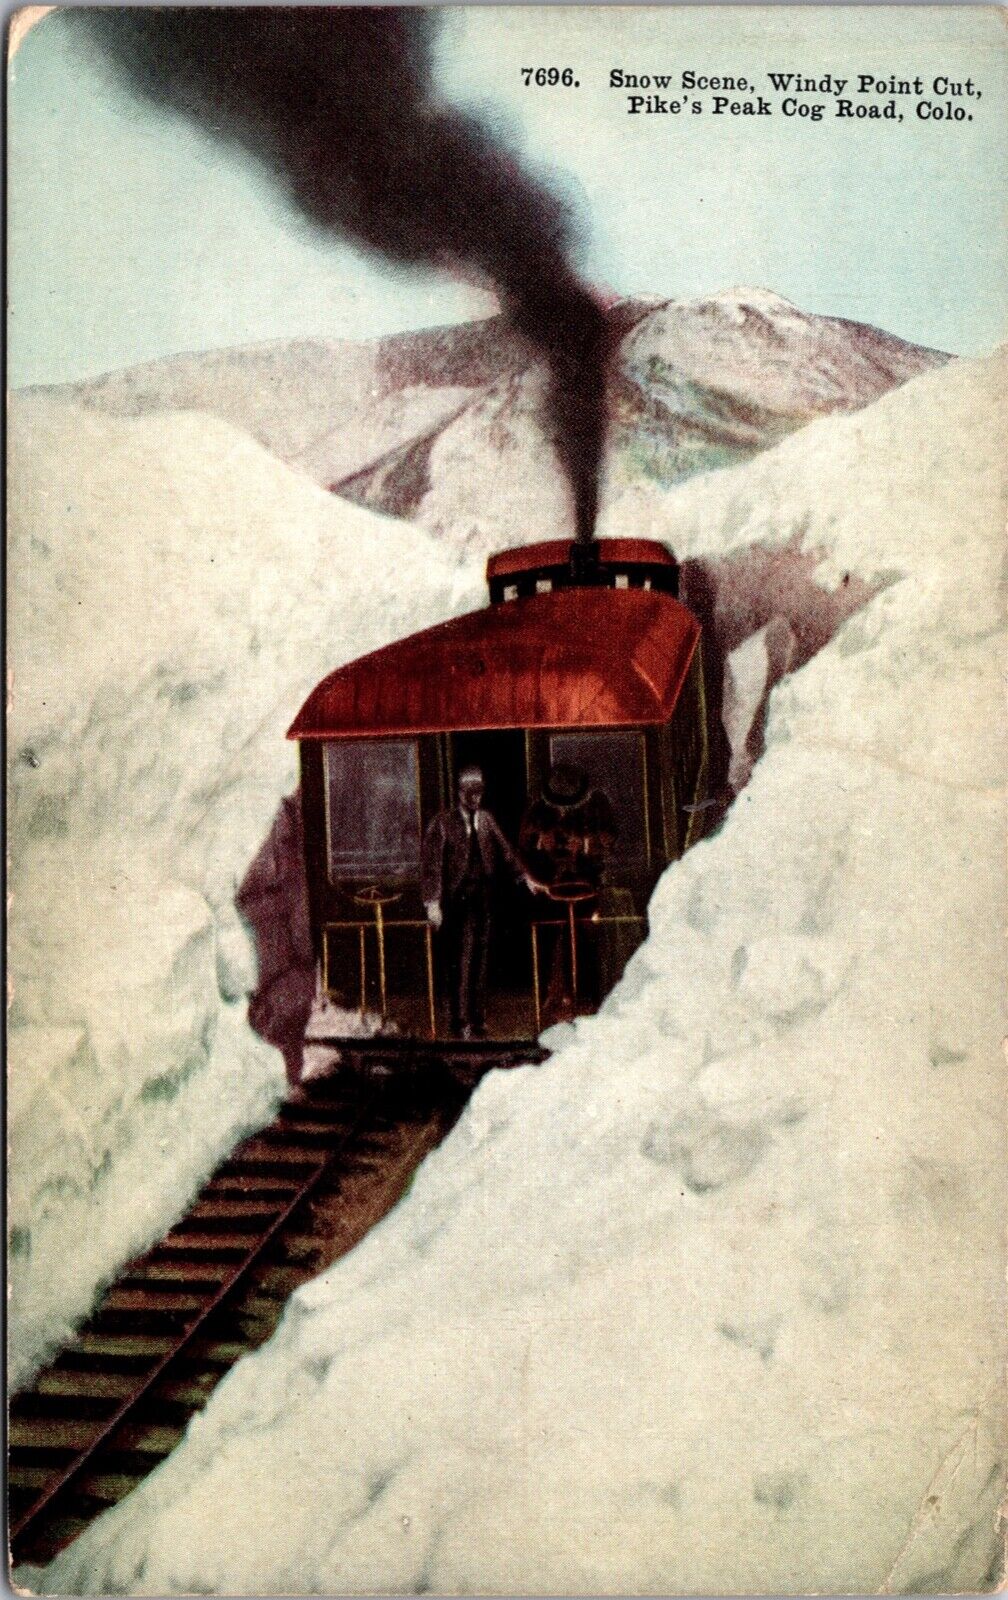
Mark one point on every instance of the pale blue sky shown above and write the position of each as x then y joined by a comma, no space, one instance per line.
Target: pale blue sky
132,235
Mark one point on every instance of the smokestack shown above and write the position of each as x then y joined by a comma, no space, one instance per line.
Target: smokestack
338,103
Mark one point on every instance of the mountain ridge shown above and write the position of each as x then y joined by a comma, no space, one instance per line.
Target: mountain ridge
445,425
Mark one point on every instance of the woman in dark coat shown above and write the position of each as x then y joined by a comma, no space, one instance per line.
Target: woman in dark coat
566,835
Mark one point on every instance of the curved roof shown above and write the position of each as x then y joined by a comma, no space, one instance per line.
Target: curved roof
556,552
571,658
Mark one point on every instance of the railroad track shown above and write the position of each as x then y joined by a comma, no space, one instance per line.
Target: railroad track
285,1204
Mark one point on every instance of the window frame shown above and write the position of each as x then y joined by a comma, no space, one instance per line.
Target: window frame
641,863
401,875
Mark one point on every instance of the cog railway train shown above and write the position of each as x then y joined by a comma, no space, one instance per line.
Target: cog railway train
582,677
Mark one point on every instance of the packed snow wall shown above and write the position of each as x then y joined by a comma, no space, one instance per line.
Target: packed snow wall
714,1300
178,593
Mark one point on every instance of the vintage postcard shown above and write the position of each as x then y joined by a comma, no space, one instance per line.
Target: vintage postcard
506,777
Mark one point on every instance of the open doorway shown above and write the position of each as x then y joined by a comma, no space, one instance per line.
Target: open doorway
502,759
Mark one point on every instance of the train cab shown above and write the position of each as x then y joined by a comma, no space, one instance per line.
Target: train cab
577,693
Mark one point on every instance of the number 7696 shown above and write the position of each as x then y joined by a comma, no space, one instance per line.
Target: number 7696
549,77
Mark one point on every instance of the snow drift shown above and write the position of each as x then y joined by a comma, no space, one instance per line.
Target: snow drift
178,591
714,1300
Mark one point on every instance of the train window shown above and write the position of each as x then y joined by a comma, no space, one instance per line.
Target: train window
622,580
373,809
613,760
510,591
544,586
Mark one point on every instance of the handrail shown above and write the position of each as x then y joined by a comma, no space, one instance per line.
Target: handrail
381,929
570,921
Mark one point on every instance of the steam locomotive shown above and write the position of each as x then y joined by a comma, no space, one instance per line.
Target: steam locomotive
584,659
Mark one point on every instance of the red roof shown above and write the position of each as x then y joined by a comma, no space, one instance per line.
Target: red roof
556,553
572,658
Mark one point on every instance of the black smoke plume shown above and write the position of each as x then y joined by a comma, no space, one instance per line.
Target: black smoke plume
338,102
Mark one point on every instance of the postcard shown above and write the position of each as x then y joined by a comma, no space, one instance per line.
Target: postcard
506,776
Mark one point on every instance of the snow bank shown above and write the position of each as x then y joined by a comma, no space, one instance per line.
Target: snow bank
714,1300
178,591
327,406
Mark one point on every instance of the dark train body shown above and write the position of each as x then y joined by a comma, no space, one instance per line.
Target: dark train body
585,657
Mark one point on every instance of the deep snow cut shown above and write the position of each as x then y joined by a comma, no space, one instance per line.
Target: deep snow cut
179,590
714,1300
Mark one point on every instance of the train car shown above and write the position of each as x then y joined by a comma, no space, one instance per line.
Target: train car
585,664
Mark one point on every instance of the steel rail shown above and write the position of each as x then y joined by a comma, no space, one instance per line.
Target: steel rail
154,1349
30,1523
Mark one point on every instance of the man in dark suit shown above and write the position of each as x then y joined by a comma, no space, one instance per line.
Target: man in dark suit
463,850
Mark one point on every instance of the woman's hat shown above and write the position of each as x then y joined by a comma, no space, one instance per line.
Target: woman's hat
565,785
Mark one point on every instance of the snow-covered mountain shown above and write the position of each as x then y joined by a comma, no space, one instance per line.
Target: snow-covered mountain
698,385
714,1300
445,426
286,393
